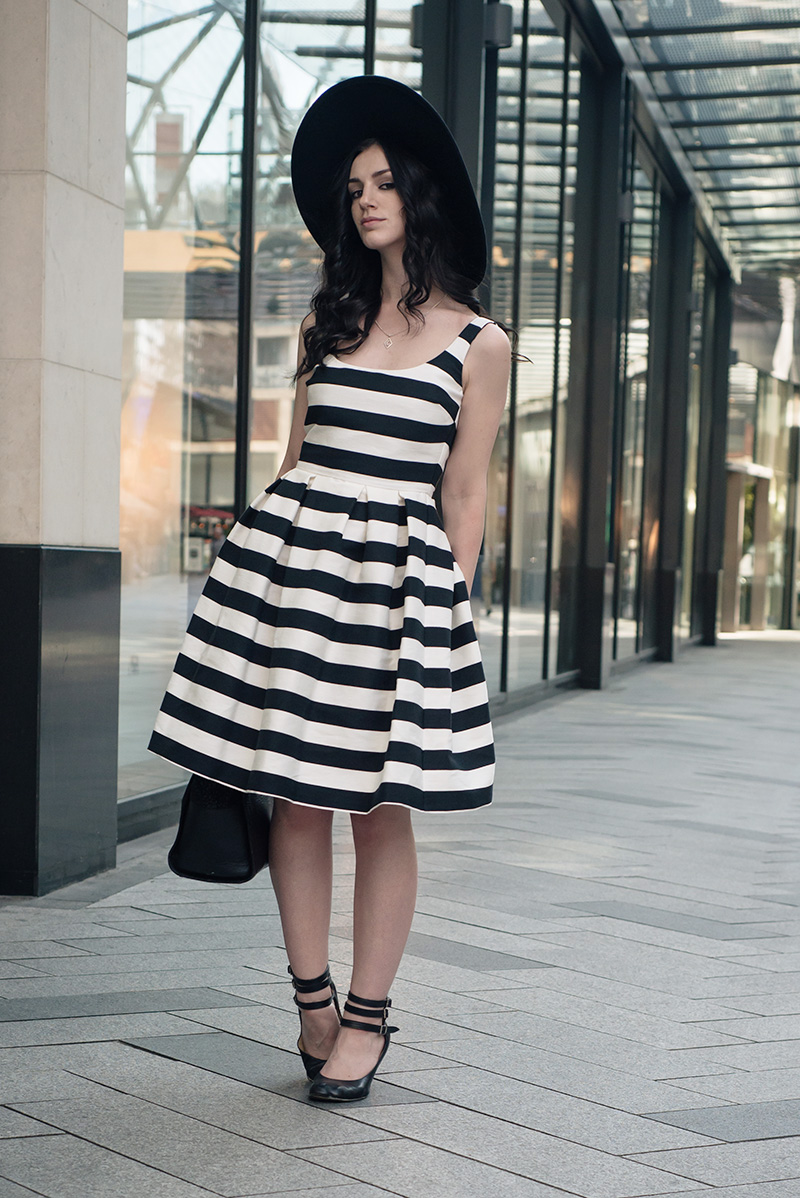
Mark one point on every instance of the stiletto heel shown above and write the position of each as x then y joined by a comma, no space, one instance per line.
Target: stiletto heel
328,1089
311,1064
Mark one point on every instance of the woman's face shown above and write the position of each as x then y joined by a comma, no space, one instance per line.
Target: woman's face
375,203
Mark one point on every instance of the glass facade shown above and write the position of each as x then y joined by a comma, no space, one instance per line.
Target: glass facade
638,267
197,432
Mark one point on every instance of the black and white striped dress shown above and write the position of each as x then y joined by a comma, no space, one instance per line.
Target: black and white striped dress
332,659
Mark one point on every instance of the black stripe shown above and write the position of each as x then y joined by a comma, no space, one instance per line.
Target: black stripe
319,796
379,468
369,380
377,423
332,541
337,632
366,719
309,665
294,578
331,503
451,365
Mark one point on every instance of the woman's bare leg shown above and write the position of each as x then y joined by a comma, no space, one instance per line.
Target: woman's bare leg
301,865
385,893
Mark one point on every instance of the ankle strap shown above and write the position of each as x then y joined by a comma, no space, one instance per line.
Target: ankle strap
370,1007
309,986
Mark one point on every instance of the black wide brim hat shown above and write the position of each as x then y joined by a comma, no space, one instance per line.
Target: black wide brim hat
372,106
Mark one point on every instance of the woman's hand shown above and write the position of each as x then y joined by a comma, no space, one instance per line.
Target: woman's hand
485,384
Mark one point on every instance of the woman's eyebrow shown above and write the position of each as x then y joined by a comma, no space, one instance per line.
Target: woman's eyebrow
387,170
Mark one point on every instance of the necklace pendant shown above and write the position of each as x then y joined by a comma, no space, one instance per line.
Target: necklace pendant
388,343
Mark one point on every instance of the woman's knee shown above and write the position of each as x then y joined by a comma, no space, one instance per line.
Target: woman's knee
294,817
385,823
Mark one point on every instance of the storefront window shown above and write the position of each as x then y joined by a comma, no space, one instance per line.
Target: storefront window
179,401
638,267
531,276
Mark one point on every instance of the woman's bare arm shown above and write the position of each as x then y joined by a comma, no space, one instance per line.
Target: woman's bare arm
486,372
300,408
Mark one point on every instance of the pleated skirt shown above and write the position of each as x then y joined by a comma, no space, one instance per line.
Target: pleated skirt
332,659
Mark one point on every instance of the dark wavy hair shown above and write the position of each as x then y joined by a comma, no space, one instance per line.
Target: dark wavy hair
349,294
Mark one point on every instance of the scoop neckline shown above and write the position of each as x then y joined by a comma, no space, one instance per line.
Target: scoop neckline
403,369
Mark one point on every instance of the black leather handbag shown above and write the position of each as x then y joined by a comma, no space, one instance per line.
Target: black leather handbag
223,834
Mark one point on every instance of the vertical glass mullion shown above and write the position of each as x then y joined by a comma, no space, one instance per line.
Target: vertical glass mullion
251,32
515,310
551,483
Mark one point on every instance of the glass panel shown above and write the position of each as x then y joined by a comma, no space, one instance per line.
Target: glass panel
633,383
774,422
543,296
394,54
696,367
180,336
293,73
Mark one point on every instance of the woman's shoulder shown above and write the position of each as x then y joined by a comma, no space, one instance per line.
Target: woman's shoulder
491,340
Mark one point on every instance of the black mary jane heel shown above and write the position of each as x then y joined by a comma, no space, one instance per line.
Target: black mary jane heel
328,1089
311,1064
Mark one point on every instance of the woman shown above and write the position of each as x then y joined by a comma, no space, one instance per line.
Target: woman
332,662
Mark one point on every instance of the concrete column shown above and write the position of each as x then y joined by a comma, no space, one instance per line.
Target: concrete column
62,190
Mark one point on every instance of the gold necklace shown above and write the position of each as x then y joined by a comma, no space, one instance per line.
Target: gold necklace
388,343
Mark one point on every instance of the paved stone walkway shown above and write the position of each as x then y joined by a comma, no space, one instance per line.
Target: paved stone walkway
601,995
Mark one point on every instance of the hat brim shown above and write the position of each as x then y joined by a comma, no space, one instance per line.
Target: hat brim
368,106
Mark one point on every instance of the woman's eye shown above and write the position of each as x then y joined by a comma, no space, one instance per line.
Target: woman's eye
388,183
354,195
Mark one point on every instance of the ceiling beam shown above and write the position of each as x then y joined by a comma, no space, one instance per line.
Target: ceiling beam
739,145
711,97
725,64
692,30
729,122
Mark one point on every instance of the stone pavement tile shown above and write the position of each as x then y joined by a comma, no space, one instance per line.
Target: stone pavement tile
262,926
752,981
278,1026
477,916
692,1062
66,1167
599,1016
163,979
15,969
627,996
261,1065
769,1086
120,1003
763,1189
414,1170
102,1027
465,956
347,1189
763,1028
13,1125
19,1084
596,1083
186,1148
270,960
532,1106
711,933
500,936
185,940
234,1106
759,1004
10,1189
732,1164
21,950
773,962
749,1121
585,1044
453,977
542,1158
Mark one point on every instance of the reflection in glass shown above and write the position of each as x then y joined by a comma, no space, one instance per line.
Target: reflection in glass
183,214
531,275
634,359
696,370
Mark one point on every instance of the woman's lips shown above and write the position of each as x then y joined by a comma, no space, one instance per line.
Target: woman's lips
371,220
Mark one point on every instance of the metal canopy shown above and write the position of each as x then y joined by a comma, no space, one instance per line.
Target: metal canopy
724,76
